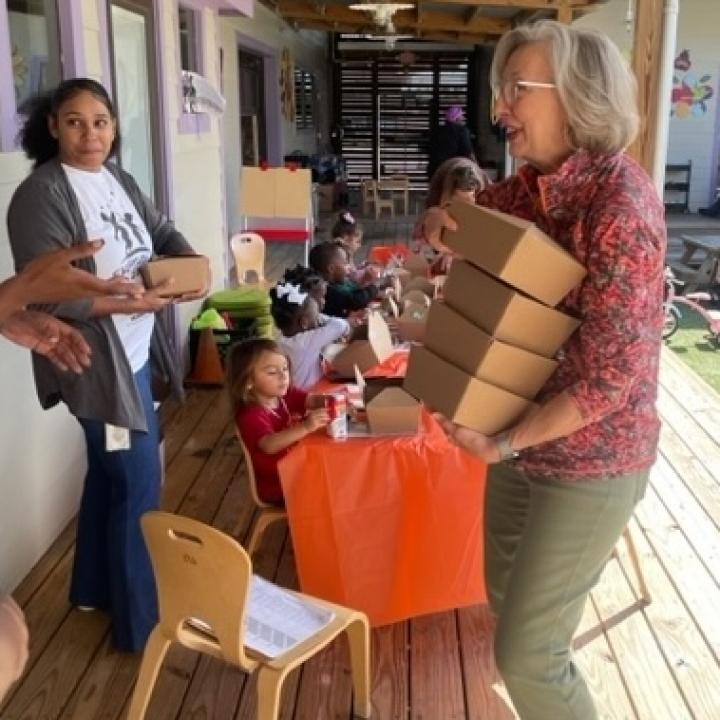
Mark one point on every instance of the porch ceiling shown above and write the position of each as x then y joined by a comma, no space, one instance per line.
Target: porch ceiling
463,21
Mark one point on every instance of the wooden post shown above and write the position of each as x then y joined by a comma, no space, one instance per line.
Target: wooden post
565,13
646,64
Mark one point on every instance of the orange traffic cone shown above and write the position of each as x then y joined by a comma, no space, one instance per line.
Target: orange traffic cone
208,369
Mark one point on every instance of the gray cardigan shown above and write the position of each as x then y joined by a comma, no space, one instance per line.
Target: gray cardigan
44,215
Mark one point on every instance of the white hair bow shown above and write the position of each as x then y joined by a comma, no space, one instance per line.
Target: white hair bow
294,294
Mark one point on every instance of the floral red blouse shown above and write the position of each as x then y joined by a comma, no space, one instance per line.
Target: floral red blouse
605,211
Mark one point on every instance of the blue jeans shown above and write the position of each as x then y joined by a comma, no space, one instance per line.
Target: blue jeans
112,569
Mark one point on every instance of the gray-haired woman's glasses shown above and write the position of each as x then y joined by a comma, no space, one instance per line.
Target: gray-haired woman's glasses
511,90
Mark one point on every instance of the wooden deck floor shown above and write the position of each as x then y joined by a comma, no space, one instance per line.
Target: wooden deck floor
660,662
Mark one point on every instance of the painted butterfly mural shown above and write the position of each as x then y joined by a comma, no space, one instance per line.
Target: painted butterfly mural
690,93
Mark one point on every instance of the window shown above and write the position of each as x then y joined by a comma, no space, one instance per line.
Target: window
34,45
189,44
304,100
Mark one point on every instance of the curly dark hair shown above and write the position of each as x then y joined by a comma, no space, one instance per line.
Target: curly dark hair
35,138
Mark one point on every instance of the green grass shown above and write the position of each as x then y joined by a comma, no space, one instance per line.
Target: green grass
691,345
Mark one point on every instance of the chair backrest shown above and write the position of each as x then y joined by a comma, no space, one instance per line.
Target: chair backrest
248,249
250,473
202,574
368,189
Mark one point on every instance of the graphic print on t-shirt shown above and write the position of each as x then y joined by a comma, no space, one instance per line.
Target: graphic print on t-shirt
109,214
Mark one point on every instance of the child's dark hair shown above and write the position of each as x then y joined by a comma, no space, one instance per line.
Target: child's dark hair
284,311
455,174
240,363
322,255
345,225
37,142
307,278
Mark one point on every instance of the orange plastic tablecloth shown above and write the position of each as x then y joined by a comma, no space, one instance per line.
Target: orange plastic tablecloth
389,526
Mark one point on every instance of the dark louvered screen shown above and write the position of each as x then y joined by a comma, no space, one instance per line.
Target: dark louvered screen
387,110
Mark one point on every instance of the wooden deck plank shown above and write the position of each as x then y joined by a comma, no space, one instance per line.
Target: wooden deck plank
695,668
645,672
390,672
692,392
700,530
436,689
484,695
687,574
600,668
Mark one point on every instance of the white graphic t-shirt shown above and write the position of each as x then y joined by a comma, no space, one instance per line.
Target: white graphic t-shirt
109,214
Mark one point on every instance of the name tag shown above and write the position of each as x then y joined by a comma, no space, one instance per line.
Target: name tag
116,438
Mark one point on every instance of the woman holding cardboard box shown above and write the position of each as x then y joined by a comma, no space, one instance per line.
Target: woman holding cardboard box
566,478
74,194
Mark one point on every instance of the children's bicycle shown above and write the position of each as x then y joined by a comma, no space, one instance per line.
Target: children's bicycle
696,301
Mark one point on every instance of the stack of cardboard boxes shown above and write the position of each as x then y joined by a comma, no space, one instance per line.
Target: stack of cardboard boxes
489,347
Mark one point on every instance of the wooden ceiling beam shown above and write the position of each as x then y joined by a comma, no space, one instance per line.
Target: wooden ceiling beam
404,21
519,4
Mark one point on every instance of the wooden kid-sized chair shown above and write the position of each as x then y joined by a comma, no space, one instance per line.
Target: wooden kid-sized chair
266,514
248,249
367,195
204,574
382,201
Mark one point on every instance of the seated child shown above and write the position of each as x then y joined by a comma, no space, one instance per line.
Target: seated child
304,331
457,178
348,231
270,414
309,281
343,296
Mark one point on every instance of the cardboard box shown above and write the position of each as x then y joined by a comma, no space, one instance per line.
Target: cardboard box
460,397
505,313
420,283
416,265
415,297
412,322
514,251
369,346
190,273
389,409
453,338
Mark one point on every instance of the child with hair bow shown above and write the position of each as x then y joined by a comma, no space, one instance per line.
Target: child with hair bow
305,331
349,233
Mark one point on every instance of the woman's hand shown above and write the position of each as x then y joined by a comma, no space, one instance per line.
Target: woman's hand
44,334
52,278
474,442
434,221
316,419
14,643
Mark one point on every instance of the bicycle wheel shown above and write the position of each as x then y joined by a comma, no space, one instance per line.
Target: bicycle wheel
670,325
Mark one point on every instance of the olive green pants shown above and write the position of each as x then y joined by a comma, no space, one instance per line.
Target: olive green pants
546,543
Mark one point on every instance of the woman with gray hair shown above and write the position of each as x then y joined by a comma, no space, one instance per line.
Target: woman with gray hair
564,481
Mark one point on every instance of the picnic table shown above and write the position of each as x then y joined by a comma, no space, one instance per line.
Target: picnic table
698,265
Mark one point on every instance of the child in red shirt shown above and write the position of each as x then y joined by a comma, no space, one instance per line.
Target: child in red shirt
270,415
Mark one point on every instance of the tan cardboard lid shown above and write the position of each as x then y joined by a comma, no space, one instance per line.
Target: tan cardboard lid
420,283
393,411
506,313
513,250
454,338
416,297
460,397
190,273
416,265
365,353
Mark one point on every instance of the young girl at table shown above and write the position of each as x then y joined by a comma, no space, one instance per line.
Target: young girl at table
270,414
343,296
305,332
348,232
456,179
